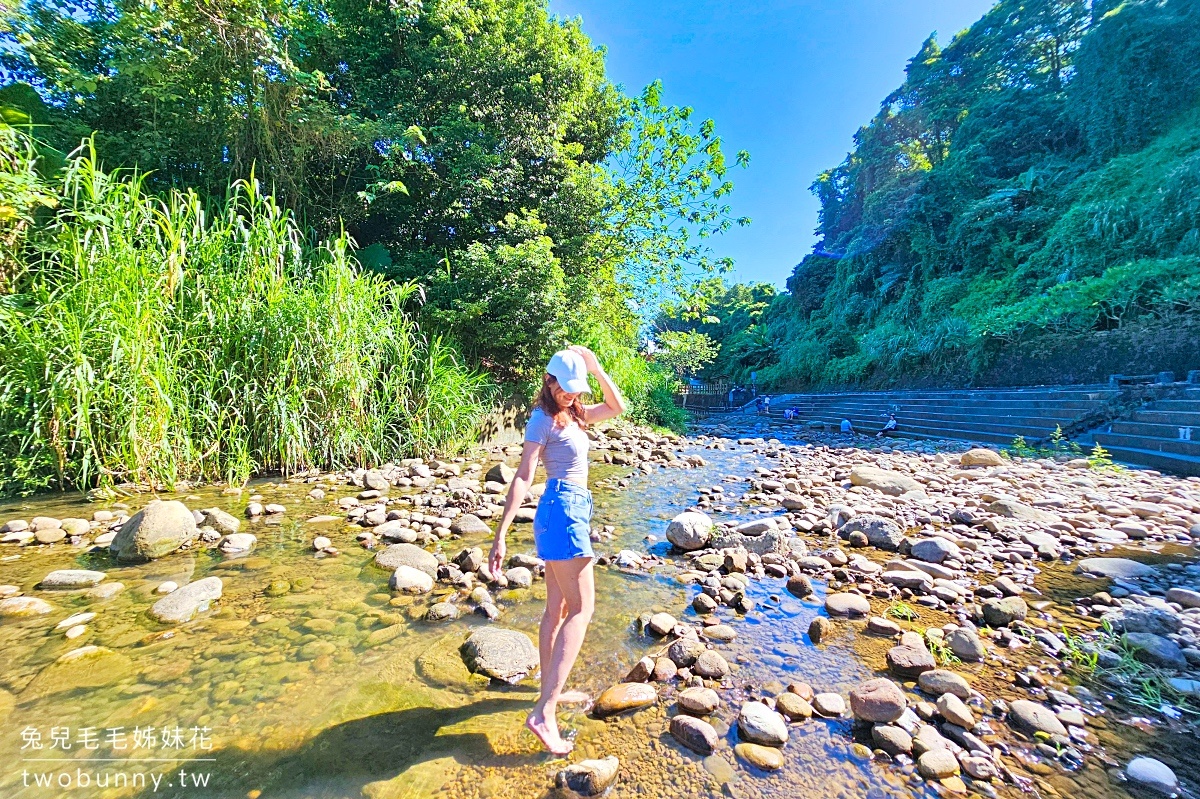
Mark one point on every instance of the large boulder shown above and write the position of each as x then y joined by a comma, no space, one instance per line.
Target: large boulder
184,603
966,644
470,524
980,457
878,701
156,530
887,482
881,533
412,555
690,531
86,667
499,653
624,697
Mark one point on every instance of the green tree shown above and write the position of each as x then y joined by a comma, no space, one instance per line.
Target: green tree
685,353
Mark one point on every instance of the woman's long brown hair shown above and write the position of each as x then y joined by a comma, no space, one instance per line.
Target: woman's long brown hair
545,401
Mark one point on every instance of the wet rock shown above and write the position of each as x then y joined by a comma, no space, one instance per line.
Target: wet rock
157,530
408,580
442,611
711,665
661,624
224,523
664,670
1032,717
641,670
184,603
720,632
793,707
1003,612
758,724
703,603
501,473
104,591
71,578
909,662
624,697
767,758
684,652
236,543
1118,568
1139,619
501,654
1156,650
799,585
696,734
892,739
937,764
847,605
690,531
1153,774
978,767
980,457
412,555
829,705
519,577
944,681
881,533
882,480
20,606
589,777
966,644
819,628
879,701
469,560
50,535
86,667
698,701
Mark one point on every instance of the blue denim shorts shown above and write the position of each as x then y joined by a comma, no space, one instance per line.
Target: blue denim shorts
562,526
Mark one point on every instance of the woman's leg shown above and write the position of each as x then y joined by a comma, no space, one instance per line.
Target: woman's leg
576,586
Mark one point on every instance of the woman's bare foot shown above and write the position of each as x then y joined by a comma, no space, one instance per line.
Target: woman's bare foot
573,698
547,732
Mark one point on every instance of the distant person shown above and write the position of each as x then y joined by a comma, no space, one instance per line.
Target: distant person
847,427
731,393
767,404
889,427
758,405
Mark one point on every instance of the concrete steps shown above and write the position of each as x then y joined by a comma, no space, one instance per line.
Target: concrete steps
1163,435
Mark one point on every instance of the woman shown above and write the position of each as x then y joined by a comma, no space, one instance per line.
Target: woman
562,525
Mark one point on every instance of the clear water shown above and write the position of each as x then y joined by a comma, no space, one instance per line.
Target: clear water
292,696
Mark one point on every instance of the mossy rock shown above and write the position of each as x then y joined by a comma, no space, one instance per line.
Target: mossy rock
442,666
86,667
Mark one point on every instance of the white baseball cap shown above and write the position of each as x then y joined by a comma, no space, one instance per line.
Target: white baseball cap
568,368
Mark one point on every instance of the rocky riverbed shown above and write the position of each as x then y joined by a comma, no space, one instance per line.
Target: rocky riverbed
775,617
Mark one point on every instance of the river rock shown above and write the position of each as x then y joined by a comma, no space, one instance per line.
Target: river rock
86,667
966,644
1019,510
71,578
935,550
758,724
1116,568
819,628
711,665
224,523
1156,650
442,611
1185,597
158,529
892,739
683,653
829,705
793,707
20,606
1153,774
624,697
408,580
937,764
469,524
589,777
944,681
767,758
1003,612
236,543
182,604
800,586
878,701
980,457
847,605
500,653
661,624
1140,619
698,701
501,473
412,555
909,662
1032,717
955,711
690,530
696,734
882,480
881,533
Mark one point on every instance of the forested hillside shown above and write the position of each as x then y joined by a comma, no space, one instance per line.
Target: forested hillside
1023,209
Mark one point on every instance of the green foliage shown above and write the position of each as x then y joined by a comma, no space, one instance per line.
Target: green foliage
1100,458
730,314
1036,177
153,340
901,610
685,352
24,189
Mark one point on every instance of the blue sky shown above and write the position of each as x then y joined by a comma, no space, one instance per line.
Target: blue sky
788,80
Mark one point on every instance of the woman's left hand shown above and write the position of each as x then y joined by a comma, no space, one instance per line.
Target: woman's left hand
589,357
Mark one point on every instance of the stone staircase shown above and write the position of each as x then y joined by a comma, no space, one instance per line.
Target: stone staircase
1163,434
987,416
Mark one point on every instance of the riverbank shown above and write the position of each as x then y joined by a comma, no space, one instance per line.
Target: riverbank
333,667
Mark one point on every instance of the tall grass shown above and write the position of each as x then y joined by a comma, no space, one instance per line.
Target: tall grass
158,339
